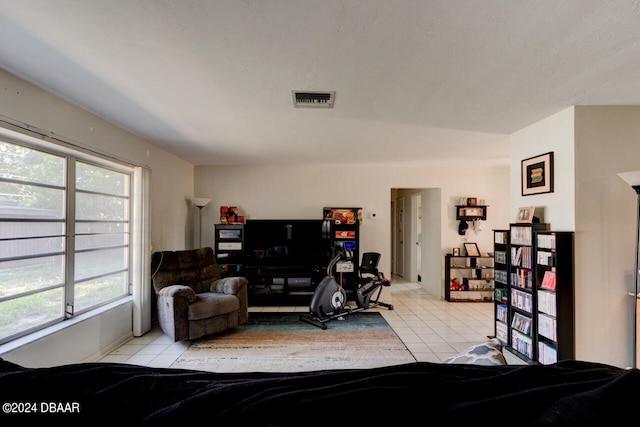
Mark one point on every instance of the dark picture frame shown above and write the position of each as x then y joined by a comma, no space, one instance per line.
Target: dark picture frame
471,249
456,252
537,174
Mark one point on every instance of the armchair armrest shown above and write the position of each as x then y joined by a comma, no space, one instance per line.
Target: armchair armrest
229,285
178,291
173,308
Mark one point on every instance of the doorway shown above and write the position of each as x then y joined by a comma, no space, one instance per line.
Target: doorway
416,234
398,237
416,240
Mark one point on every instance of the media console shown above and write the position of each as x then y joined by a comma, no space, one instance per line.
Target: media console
283,259
282,286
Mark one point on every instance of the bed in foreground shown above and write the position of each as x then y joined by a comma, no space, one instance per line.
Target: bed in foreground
569,393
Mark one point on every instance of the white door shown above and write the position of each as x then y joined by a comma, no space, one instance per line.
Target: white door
400,237
416,202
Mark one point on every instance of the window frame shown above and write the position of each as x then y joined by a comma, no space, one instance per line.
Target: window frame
137,247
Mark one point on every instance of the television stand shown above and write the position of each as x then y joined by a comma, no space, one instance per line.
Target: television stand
286,285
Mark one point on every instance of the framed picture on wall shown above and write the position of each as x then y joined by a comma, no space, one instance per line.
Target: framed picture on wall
537,174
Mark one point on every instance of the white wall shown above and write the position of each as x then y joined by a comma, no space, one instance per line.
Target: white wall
302,191
591,145
171,213
607,142
555,134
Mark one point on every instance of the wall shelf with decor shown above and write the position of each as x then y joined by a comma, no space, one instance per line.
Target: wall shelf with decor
468,278
471,213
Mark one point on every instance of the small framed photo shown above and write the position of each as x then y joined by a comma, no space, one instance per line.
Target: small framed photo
455,252
525,215
537,174
472,201
471,249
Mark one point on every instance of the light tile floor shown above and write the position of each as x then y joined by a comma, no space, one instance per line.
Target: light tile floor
431,328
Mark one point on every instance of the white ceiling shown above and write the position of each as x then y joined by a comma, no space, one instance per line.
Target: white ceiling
415,80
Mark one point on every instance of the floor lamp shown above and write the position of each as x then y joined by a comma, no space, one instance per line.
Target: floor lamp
633,179
200,202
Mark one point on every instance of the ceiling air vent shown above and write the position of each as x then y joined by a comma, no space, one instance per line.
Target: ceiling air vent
306,99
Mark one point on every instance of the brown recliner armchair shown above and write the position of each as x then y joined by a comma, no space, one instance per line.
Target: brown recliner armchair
193,299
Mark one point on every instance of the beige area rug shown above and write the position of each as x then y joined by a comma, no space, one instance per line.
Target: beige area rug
281,342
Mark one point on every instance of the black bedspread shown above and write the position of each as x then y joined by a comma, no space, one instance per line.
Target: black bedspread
570,393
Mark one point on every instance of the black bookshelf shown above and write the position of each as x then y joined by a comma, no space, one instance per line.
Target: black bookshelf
522,294
473,278
540,323
501,261
555,307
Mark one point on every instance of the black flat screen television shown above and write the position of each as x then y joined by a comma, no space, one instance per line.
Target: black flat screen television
295,243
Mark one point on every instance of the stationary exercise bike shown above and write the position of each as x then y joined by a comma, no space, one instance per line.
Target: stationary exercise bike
329,299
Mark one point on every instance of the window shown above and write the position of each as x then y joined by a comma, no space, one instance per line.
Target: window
101,253
65,236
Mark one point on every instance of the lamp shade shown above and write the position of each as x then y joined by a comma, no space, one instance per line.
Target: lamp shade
632,178
200,202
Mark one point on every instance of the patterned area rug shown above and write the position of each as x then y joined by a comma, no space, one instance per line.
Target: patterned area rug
281,342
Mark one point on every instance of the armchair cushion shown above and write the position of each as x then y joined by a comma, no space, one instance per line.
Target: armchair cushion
211,304
195,268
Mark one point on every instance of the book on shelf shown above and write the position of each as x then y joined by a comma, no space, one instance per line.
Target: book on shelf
547,241
500,294
547,326
547,355
516,255
502,332
546,258
521,256
501,276
502,313
521,323
521,300
522,278
525,278
547,302
526,257
500,237
520,235
522,343
549,280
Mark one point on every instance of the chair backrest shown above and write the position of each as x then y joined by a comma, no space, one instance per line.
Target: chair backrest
196,268
369,263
